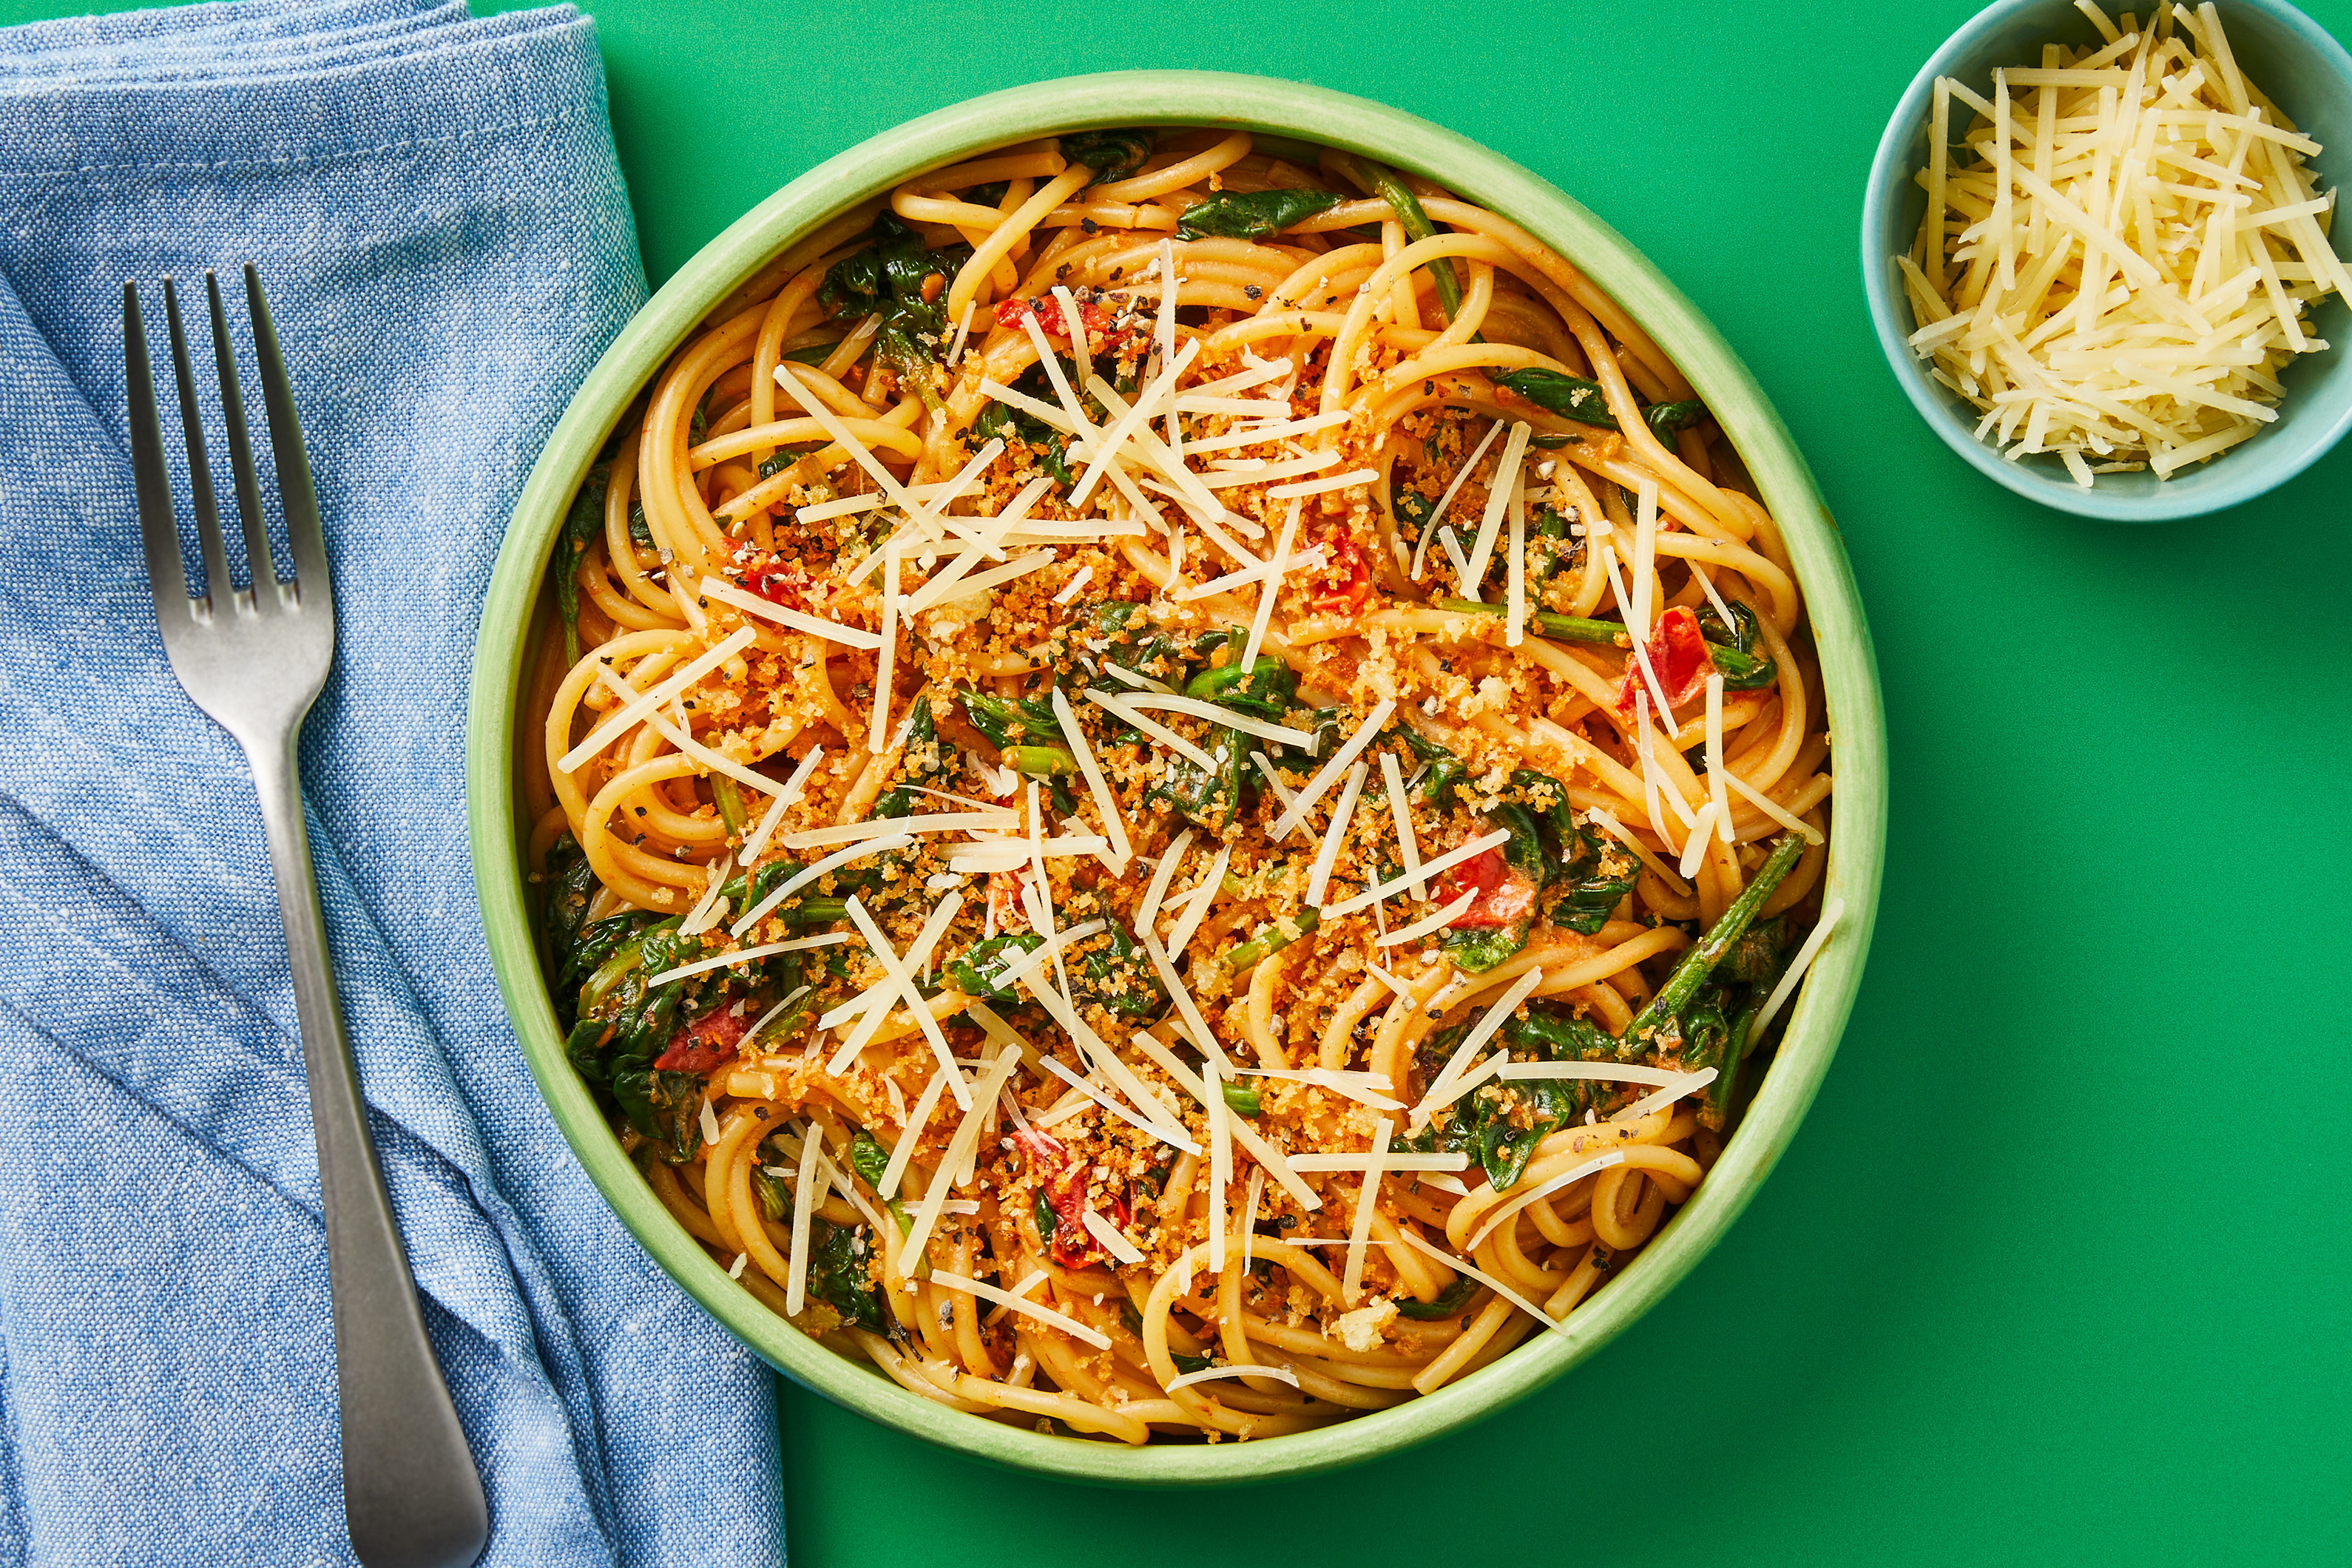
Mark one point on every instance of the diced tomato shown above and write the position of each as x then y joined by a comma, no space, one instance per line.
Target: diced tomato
1064,1180
1677,654
779,583
704,1044
1045,1149
1349,581
1048,311
1004,901
1504,894
1481,874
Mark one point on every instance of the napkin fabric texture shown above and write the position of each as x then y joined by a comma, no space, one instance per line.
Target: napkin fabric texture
438,214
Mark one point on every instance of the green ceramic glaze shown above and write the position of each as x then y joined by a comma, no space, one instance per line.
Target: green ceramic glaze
1185,97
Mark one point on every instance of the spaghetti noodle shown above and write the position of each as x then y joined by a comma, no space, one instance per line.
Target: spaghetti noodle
1177,772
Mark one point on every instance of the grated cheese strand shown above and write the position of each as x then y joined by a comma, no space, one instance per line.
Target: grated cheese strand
831,863
1366,1199
1332,771
1105,800
651,702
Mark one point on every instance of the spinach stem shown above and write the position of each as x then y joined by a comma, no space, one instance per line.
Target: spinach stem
1415,219
1700,961
1568,628
1273,939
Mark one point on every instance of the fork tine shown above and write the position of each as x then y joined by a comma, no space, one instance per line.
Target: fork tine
296,495
166,574
240,458
217,587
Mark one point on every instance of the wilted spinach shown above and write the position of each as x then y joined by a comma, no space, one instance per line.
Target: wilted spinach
895,276
1251,215
1570,397
1111,154
839,1274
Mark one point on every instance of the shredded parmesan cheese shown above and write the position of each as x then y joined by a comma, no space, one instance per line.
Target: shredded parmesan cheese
1023,1305
2115,291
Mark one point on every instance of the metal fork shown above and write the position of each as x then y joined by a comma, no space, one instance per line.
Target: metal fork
255,662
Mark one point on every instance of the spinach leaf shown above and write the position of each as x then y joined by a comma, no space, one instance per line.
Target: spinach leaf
1118,977
1755,958
1594,879
1265,689
1006,720
1112,154
894,278
1571,397
775,1198
868,1158
1477,949
1208,796
839,1276
1733,649
581,524
625,1025
568,886
1666,418
926,761
1446,769
666,1107
1584,873
974,972
1505,1135
1002,422
1551,1035
1450,1300
1251,215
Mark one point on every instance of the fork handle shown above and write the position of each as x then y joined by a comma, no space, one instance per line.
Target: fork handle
411,1497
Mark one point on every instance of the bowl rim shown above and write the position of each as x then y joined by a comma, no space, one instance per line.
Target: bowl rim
1289,109
2267,466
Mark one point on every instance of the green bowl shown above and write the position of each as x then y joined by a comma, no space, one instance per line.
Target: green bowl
1288,108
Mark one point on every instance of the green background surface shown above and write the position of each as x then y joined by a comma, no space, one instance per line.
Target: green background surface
2058,1269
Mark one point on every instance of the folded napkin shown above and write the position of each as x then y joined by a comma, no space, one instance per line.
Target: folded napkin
435,208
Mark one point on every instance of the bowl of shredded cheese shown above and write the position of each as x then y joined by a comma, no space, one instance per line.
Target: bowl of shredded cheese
2100,251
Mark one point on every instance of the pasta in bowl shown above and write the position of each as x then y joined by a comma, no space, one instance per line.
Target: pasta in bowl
1180,786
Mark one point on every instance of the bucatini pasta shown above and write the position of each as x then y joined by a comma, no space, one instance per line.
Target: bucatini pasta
1104,836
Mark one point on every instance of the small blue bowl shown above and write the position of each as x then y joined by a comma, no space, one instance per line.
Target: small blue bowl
2300,68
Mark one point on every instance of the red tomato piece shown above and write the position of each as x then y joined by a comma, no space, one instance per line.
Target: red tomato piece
1679,658
1063,1181
779,583
1048,313
1503,894
1004,901
1349,581
704,1044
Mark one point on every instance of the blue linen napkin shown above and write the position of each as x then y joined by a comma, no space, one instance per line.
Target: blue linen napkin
436,211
